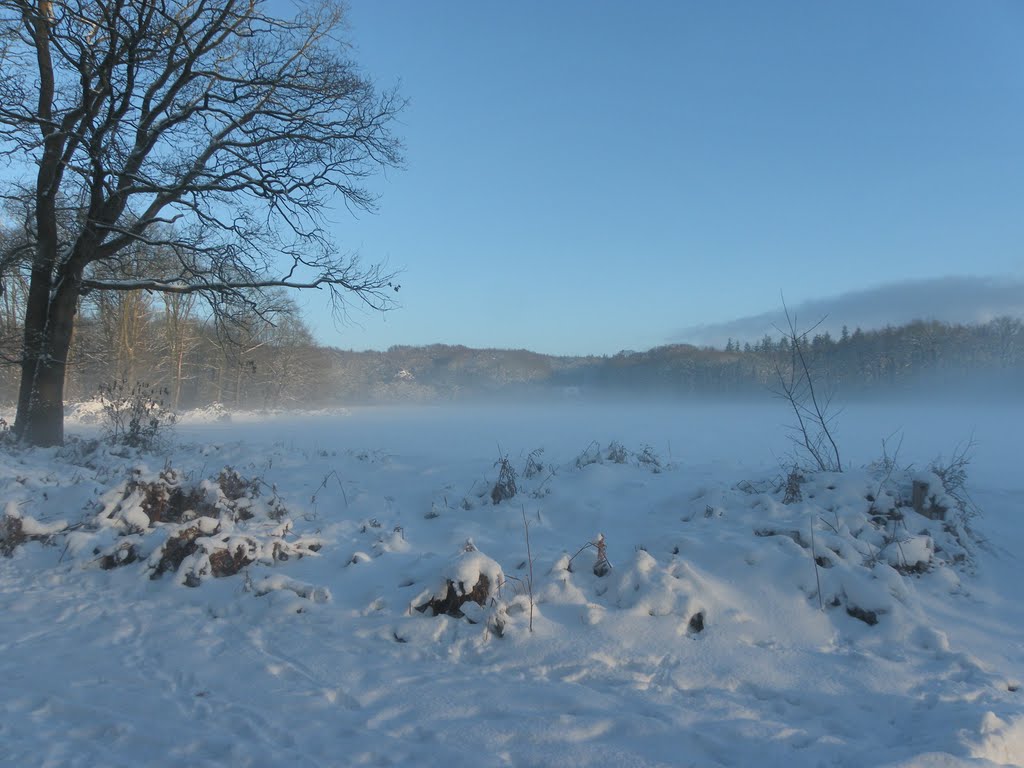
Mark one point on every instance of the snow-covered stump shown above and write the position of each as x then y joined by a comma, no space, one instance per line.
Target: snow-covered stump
471,578
456,596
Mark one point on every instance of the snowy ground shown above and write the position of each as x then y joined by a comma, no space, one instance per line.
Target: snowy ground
705,644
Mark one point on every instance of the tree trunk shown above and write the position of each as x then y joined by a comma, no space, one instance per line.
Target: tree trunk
177,378
48,328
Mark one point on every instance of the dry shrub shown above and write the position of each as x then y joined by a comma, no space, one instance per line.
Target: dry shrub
590,455
124,554
650,459
534,465
165,501
505,487
175,550
953,476
601,565
794,480
13,535
135,416
224,562
205,524
235,487
617,453
276,509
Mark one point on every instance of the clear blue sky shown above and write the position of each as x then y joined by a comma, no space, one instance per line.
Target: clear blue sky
587,176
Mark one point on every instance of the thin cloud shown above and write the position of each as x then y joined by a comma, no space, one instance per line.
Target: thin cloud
947,299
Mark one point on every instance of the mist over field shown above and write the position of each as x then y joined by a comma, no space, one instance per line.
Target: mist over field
756,433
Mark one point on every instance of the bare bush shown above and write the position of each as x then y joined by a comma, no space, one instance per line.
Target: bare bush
799,386
590,455
135,416
617,453
649,458
534,464
794,480
505,487
952,473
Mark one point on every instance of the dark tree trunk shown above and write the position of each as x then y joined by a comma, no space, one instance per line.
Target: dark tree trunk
48,328
49,316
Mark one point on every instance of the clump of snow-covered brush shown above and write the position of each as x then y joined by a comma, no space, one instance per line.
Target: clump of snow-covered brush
952,476
211,529
616,453
171,525
872,527
17,529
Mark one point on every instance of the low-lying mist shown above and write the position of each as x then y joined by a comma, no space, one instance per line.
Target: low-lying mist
695,433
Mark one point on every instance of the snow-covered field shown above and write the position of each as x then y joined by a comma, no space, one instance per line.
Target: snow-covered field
708,643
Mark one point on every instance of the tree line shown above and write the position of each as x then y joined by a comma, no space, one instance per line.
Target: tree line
262,358
268,358
906,358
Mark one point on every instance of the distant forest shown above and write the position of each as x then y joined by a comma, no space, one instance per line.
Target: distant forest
271,360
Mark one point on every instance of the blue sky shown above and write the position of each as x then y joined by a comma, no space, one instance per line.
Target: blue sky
585,177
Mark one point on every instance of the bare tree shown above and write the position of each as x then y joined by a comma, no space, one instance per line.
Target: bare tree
13,289
123,317
180,339
798,384
288,368
209,129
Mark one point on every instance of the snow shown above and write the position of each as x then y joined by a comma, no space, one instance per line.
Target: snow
732,629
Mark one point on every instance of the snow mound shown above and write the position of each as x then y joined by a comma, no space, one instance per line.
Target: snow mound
86,412
214,413
1001,742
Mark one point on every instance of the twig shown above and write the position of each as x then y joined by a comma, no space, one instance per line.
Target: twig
588,545
323,484
889,464
544,482
529,561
